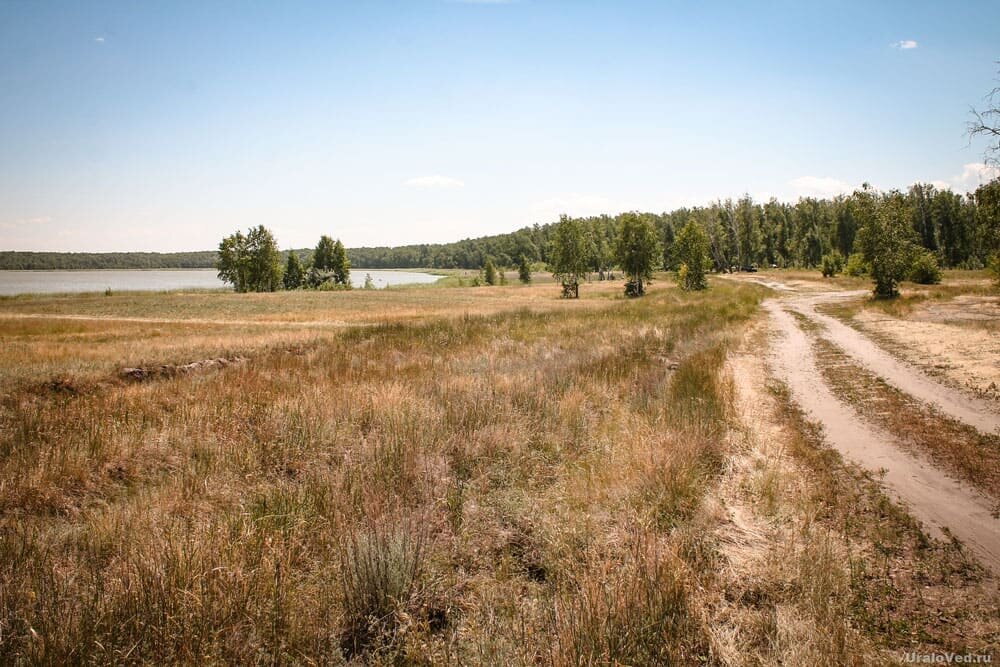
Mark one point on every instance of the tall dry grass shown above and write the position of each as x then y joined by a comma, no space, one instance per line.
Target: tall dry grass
510,487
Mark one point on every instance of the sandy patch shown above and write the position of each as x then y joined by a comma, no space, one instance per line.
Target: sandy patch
932,338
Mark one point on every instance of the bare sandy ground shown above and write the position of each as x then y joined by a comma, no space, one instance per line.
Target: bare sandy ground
941,503
948,340
944,505
978,413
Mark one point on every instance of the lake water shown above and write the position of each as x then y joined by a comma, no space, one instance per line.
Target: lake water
48,282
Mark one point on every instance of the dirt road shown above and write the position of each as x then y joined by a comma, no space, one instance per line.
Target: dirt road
943,504
973,411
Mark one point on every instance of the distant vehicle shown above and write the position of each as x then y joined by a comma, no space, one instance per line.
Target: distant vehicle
750,269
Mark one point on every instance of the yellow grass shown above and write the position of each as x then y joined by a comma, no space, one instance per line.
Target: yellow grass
473,476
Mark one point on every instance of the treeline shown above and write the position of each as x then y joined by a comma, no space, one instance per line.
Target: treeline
26,261
742,233
955,228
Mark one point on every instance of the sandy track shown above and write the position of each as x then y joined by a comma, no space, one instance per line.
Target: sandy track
931,496
975,412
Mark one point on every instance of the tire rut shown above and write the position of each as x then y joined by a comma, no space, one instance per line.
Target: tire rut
944,505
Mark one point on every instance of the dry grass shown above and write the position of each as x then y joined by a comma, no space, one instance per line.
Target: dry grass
466,488
495,477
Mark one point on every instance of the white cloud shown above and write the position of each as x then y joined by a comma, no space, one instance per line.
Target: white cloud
572,204
973,175
433,182
816,186
99,40
905,44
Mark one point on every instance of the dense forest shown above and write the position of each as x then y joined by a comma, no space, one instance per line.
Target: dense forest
961,231
203,259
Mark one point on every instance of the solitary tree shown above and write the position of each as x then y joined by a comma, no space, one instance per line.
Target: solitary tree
490,272
887,245
569,255
691,254
341,265
638,251
523,269
294,273
251,262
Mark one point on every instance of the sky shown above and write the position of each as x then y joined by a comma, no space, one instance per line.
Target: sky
164,126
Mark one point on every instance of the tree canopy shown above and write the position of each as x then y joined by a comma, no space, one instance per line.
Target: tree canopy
251,262
638,251
691,254
570,254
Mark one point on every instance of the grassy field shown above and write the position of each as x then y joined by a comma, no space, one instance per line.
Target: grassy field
429,476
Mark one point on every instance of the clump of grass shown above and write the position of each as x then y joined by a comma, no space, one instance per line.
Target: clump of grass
383,568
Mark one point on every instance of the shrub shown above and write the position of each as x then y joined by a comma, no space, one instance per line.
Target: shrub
925,269
856,265
381,582
490,272
523,270
832,264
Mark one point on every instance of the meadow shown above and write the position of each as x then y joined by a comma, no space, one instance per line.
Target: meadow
439,476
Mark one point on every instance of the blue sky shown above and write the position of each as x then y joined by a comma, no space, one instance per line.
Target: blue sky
166,125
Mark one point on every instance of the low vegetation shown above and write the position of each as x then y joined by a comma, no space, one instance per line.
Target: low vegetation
475,476
495,488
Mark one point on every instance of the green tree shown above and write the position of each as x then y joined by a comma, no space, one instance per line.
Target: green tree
569,254
832,263
294,272
886,242
323,259
523,269
490,272
987,224
251,262
691,253
638,251
340,265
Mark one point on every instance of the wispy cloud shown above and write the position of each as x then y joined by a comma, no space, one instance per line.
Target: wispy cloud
905,44
426,182
819,186
973,175
484,2
99,40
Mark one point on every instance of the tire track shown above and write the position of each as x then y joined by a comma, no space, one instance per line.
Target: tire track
944,505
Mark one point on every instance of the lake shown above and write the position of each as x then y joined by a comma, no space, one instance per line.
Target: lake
49,282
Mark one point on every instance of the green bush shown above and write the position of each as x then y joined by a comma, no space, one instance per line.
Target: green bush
832,264
925,270
490,273
856,265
